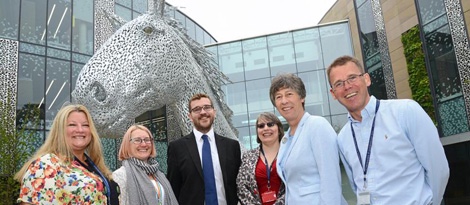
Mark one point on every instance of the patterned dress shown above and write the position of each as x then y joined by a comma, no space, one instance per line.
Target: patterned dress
47,181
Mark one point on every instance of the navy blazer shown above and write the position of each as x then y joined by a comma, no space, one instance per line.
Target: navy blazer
185,170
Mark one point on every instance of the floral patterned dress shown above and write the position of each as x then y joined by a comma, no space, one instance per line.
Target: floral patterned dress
48,181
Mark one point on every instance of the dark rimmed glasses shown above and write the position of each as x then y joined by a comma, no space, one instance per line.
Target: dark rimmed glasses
206,108
261,125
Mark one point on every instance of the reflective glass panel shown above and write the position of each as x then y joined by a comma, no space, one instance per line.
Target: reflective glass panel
235,97
231,61
258,98
59,24
377,87
190,28
31,71
199,35
9,13
368,33
308,54
331,36
255,58
208,39
58,87
281,53
123,12
430,9
125,3
31,48
57,53
180,18
140,6
316,101
33,21
244,137
82,27
446,80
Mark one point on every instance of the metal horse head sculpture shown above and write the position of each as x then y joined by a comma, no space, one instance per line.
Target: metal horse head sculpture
148,63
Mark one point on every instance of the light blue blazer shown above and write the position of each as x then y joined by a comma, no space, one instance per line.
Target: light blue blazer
308,163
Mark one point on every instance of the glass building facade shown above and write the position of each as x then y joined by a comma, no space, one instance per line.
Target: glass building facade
251,63
54,39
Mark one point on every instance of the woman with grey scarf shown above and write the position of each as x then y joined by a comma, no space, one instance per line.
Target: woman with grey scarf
139,178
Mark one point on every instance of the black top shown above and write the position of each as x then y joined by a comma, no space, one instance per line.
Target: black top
114,200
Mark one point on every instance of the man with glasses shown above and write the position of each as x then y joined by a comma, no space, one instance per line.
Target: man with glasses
203,166
390,148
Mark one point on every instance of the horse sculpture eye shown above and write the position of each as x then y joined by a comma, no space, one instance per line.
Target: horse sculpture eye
99,93
148,30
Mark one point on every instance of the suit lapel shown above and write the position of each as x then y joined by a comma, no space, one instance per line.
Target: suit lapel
193,152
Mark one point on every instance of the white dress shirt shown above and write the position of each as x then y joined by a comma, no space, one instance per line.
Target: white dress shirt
407,161
219,181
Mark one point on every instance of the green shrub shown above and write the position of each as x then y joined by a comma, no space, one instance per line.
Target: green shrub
15,139
418,76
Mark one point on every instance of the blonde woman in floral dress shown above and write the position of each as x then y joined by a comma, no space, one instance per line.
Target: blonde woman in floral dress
69,167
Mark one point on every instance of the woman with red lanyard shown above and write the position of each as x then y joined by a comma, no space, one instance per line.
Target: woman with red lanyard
257,181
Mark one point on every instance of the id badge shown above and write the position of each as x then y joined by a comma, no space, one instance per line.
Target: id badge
268,196
363,198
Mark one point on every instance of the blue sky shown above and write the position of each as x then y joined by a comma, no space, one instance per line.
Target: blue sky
230,20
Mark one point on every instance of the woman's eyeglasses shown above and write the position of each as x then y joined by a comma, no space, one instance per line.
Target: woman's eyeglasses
140,140
261,125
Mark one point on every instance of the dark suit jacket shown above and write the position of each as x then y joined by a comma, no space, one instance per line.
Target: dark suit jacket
185,170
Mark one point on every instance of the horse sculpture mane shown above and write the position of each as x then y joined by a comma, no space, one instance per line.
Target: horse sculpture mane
148,63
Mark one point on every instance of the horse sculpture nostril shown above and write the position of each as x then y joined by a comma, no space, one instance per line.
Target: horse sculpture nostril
98,91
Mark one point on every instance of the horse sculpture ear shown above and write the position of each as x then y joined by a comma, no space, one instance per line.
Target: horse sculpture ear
115,20
158,7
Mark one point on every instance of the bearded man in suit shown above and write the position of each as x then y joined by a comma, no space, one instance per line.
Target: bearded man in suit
185,160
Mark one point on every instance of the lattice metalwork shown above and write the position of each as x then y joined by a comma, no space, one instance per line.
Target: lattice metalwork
461,47
8,75
148,63
384,50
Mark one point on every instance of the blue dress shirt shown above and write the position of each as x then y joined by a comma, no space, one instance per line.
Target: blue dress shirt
407,161
308,164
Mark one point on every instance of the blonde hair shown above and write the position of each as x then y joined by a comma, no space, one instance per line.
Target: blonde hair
126,142
56,144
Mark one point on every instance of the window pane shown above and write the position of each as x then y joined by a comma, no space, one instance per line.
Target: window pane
33,21
140,6
231,61
123,12
281,53
125,3
316,101
255,57
59,24
190,28
258,98
430,9
331,36
82,40
58,87
308,50
235,97
9,13
199,35
368,33
31,79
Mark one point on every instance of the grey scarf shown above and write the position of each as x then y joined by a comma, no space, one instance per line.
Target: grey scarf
139,187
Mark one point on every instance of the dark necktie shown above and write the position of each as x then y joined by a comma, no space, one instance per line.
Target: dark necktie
208,169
